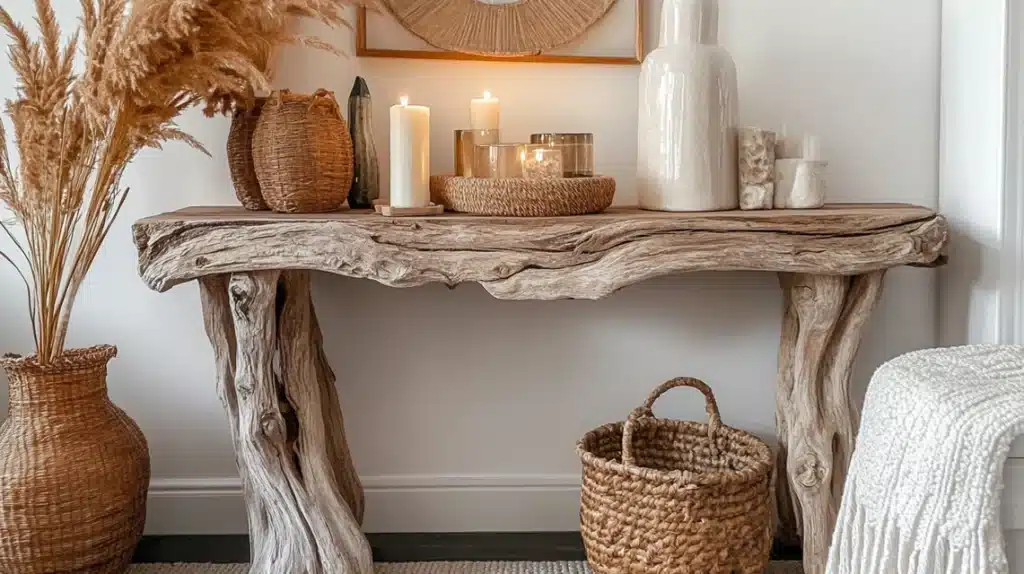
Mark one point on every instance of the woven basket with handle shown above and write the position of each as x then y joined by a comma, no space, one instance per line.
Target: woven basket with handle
674,497
302,152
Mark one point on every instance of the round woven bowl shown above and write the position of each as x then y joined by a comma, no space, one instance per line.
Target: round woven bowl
243,172
523,197
302,152
674,497
74,469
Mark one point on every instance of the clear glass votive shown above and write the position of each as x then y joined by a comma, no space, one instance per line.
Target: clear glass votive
542,163
465,142
577,152
516,160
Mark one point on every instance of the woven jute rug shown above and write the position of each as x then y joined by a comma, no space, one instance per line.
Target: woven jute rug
426,568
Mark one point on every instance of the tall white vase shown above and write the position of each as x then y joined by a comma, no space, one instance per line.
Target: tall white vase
689,111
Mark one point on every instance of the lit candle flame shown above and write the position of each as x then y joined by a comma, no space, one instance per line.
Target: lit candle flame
539,155
404,100
487,95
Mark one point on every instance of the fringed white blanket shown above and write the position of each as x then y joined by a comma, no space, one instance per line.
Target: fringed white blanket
923,493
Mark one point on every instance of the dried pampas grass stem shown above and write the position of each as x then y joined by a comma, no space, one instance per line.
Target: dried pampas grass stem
75,132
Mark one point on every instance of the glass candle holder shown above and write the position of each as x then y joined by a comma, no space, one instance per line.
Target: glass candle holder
465,142
577,152
516,160
542,163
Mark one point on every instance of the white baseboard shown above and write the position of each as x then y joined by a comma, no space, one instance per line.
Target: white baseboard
479,503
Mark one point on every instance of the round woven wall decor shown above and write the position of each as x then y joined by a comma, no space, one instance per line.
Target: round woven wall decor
522,28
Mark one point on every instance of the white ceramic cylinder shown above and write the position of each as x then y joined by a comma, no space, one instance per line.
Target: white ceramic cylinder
485,113
410,156
691,21
689,110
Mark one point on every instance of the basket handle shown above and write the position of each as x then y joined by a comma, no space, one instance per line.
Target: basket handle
328,96
646,412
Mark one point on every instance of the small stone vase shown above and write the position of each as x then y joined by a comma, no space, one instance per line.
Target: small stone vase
689,111
74,469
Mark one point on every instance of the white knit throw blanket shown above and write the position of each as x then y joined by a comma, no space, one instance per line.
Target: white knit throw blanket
924,487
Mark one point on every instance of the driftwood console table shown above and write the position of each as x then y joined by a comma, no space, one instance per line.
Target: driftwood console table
304,499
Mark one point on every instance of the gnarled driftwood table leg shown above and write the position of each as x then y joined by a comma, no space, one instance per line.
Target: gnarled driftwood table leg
303,495
815,418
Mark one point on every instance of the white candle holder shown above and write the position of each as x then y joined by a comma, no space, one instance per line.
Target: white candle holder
800,183
383,208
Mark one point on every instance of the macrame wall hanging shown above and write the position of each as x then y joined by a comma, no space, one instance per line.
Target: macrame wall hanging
505,28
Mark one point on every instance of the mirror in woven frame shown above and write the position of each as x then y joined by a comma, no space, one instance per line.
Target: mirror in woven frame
546,31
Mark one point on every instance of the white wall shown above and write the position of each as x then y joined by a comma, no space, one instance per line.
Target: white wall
463,410
971,161
981,298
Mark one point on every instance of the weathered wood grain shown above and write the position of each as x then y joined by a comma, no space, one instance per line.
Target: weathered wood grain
586,257
305,525
823,321
299,296
220,328
304,498
329,505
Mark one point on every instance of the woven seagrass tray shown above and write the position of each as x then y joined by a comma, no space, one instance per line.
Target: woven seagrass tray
523,197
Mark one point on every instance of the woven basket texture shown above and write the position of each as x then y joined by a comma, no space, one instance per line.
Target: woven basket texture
74,469
523,197
302,152
673,497
498,29
243,172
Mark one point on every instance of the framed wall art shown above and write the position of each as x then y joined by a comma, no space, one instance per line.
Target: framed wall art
545,31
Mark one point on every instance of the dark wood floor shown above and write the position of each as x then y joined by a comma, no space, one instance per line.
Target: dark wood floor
476,547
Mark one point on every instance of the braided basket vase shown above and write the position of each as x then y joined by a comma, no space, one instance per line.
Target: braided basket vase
243,172
302,152
673,497
74,469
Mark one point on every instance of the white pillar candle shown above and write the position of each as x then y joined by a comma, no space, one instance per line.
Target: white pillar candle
410,155
485,113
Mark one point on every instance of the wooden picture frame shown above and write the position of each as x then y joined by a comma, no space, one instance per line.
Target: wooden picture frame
363,50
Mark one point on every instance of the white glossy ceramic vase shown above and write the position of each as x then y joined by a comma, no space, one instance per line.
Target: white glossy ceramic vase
689,112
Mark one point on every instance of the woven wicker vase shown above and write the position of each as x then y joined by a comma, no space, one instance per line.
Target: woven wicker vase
243,172
74,470
302,152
